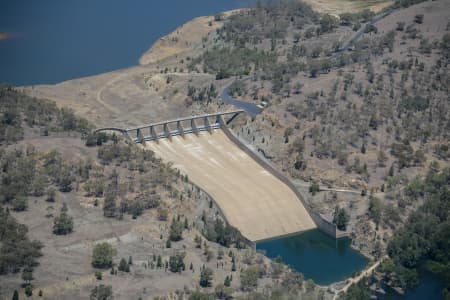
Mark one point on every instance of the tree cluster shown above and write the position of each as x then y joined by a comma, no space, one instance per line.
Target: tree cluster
425,236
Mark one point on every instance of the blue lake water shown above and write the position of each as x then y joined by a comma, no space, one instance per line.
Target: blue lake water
56,40
316,255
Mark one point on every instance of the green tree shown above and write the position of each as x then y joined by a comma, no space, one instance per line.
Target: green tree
102,255
227,281
314,188
328,23
27,275
29,290
223,292
98,275
176,230
197,295
309,285
341,218
101,292
358,291
15,295
375,209
17,252
176,262
51,192
65,179
124,266
418,19
109,205
233,264
363,148
20,203
206,277
64,223
249,278
159,263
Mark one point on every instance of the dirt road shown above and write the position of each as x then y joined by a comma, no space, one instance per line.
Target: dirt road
252,199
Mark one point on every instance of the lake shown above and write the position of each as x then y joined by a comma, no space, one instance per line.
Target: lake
318,256
54,40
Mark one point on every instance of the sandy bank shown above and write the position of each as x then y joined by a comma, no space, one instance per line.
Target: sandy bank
187,37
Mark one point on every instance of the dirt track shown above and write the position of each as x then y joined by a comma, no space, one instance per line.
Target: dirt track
252,199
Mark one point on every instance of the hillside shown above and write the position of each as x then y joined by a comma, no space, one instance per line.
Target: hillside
372,119
364,132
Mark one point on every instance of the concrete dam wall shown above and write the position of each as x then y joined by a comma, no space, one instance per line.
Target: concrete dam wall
251,197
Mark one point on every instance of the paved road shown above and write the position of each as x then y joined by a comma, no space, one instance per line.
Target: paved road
250,108
253,110
357,36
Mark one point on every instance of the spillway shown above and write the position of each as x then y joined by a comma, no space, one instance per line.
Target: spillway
252,199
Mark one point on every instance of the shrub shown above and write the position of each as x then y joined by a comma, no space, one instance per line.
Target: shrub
102,255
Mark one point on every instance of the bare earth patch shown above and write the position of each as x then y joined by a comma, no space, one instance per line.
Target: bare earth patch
336,7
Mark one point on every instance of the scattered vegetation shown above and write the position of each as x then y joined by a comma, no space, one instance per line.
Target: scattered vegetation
19,112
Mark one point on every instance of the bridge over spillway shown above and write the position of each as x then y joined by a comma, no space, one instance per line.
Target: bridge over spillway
179,126
253,196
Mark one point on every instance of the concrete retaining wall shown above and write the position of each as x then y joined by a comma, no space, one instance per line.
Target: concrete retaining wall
321,223
328,227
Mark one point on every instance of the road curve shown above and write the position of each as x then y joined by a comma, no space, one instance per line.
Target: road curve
250,108
253,110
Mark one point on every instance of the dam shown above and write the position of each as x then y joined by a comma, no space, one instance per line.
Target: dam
252,195
253,200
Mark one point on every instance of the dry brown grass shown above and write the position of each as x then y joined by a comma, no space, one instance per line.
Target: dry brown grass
337,7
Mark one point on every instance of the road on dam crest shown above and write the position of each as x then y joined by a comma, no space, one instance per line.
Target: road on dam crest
251,198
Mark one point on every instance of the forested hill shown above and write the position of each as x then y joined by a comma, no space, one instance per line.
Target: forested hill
374,118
